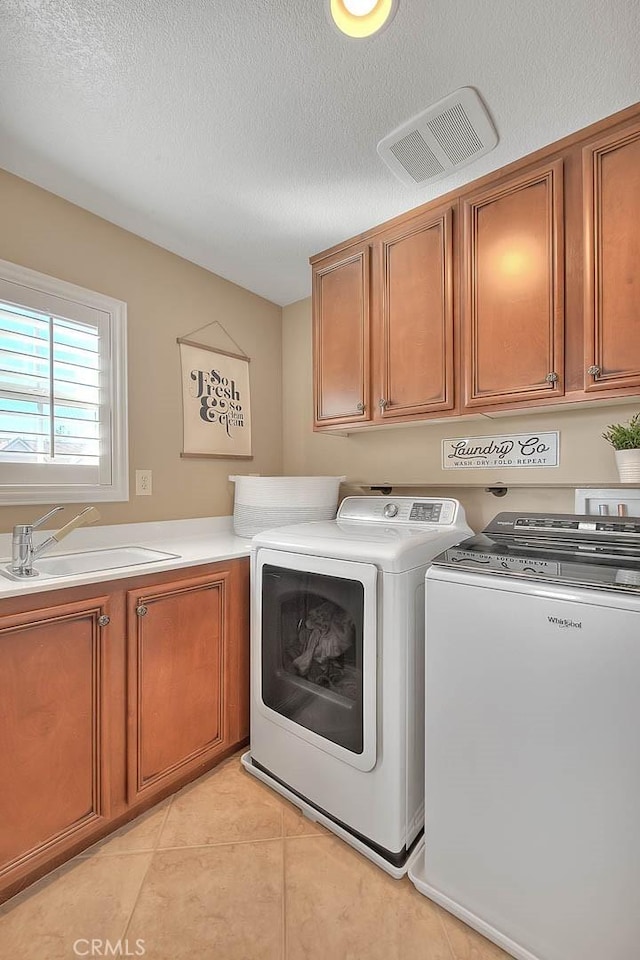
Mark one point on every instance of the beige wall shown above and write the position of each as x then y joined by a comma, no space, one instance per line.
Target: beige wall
167,297
412,454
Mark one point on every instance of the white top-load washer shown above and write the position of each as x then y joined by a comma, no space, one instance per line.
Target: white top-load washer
532,722
337,643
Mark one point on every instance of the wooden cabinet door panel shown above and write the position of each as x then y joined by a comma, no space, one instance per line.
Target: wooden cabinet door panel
237,696
53,730
415,344
341,338
611,170
176,679
513,245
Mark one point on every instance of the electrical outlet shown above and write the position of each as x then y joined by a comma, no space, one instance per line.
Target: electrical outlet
144,486
611,503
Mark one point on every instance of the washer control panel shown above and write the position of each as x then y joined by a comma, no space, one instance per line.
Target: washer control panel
399,510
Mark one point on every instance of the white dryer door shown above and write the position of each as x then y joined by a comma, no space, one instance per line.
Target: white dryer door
313,629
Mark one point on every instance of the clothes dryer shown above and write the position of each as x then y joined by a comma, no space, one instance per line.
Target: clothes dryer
337,632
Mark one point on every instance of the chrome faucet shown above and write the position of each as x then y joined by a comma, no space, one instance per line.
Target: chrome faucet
23,552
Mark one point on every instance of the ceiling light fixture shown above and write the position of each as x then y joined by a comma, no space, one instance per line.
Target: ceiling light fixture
361,18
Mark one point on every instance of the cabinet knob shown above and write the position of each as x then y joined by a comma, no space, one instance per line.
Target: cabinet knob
104,620
383,404
552,377
594,371
361,407
141,610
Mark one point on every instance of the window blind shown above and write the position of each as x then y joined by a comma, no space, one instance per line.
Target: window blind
49,389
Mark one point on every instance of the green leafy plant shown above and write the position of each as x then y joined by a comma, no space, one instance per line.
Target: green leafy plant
624,436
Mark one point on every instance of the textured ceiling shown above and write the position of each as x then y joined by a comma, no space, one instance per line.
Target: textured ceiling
242,134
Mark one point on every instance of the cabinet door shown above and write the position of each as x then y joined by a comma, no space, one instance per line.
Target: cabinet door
414,342
611,170
54,703
514,291
177,653
341,338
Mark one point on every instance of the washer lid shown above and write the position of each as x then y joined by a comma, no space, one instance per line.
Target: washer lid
394,543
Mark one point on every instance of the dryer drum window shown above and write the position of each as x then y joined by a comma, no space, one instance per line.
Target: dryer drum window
312,652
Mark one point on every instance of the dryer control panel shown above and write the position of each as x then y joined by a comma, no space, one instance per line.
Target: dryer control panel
403,510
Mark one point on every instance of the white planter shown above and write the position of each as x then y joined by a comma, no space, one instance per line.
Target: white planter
628,462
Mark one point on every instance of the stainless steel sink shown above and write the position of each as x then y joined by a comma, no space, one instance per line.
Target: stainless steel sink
90,561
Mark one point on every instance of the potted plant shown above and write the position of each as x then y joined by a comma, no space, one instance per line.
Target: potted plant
625,440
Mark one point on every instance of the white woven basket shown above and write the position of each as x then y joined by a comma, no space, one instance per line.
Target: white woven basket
264,502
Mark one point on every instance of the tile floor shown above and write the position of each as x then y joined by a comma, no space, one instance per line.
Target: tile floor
227,870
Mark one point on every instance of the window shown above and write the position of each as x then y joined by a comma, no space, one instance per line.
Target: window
63,403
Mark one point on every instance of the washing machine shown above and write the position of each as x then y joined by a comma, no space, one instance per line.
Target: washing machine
337,647
532,716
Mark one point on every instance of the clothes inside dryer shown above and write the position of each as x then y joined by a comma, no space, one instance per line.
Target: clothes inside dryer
312,663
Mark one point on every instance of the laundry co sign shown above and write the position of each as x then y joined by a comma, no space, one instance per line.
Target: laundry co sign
506,450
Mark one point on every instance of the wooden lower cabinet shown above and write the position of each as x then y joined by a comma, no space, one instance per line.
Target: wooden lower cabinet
53,724
176,685
112,696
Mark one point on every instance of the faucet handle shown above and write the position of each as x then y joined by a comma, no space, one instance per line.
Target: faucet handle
38,523
88,515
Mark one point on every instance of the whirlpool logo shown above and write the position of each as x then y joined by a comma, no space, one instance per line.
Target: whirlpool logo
565,622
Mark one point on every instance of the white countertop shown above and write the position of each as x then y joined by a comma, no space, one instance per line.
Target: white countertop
203,540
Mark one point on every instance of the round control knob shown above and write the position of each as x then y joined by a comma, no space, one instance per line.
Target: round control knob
390,509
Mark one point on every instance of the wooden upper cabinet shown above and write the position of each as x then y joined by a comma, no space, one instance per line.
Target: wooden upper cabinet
611,178
55,702
514,291
504,343
341,338
413,302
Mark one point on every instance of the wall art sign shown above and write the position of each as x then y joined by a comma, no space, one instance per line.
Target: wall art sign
505,450
216,404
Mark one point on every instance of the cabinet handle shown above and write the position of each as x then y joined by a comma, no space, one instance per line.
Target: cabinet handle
594,371
383,404
360,407
141,610
104,620
552,377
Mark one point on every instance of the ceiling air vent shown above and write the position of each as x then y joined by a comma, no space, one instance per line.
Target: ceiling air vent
449,135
